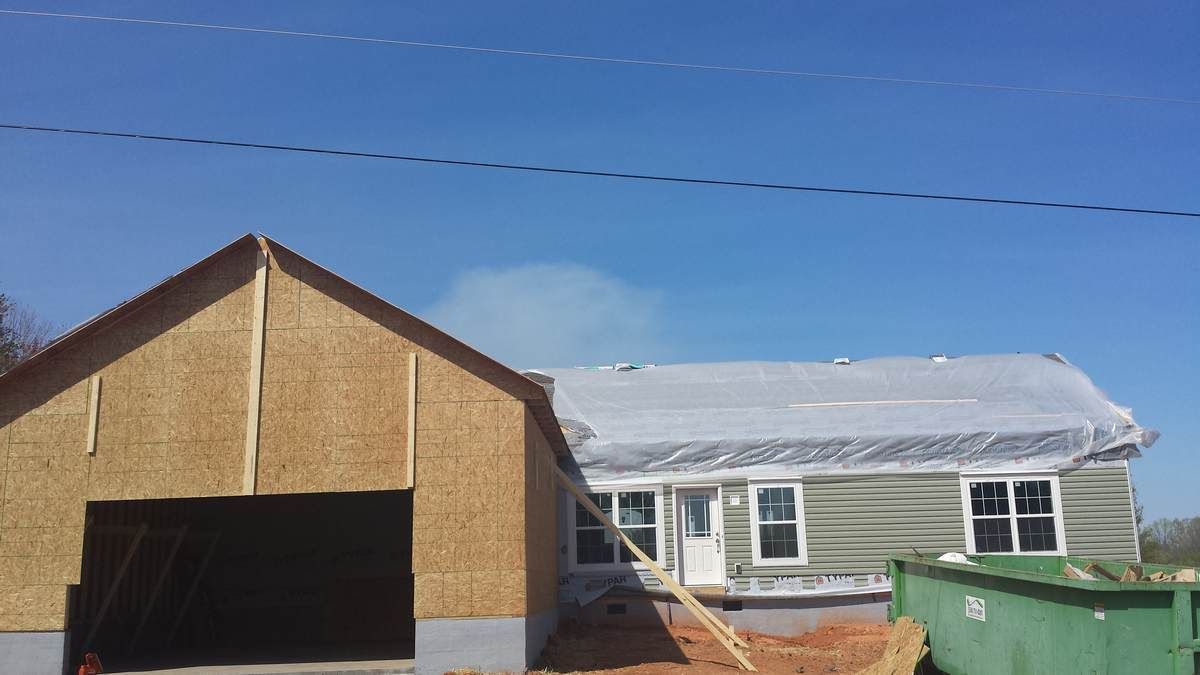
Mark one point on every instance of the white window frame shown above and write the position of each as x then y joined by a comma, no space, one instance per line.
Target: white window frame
660,539
801,536
1060,538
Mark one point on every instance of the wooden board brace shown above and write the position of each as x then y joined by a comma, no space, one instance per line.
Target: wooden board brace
254,400
191,593
113,587
93,424
411,463
158,586
722,632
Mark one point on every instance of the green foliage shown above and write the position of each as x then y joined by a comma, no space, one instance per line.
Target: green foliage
1172,541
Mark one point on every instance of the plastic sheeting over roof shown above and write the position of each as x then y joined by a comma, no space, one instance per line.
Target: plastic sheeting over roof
1010,411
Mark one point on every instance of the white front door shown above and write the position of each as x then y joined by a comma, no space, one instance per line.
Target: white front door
698,512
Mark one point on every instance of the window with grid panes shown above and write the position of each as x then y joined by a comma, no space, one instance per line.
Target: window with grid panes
778,528
636,515
1012,515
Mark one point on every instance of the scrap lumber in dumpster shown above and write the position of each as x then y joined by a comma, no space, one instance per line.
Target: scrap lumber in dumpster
1187,576
1097,569
904,651
1132,573
1072,572
722,632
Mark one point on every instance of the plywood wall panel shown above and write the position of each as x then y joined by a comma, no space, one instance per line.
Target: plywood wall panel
333,417
172,407
469,507
334,399
540,538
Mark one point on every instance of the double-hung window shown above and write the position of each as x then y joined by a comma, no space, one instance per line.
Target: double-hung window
1013,514
638,514
777,527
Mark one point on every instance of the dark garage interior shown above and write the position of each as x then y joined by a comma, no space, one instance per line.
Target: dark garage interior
257,579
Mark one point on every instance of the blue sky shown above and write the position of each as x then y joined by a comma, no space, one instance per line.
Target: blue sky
600,270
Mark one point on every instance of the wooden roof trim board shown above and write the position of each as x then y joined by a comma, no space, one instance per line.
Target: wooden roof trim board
515,383
109,317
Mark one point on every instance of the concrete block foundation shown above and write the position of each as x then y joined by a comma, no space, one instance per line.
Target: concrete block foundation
783,616
32,653
485,644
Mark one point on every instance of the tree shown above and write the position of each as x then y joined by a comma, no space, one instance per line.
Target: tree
22,333
1172,541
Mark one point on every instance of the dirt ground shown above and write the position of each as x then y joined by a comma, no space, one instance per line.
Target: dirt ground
844,648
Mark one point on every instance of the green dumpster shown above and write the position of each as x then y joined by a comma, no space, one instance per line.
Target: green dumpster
1018,614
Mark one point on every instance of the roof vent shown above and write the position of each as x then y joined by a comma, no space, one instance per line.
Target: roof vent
841,361
937,358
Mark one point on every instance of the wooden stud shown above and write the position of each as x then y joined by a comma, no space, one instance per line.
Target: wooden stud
116,584
724,634
191,593
1096,568
158,586
258,330
411,463
1132,573
93,414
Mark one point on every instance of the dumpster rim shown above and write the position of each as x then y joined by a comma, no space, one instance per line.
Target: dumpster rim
1043,578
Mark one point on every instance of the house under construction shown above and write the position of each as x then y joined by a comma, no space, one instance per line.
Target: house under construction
256,460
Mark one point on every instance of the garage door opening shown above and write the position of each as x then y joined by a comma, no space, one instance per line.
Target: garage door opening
243,580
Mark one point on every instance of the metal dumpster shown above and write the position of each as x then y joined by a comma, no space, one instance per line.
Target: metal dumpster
1018,614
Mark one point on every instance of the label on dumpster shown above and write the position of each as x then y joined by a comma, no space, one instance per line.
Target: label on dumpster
1098,610
976,609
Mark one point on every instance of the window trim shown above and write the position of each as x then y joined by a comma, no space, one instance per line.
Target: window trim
964,485
616,566
801,529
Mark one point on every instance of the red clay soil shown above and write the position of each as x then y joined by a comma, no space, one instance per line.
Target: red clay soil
844,648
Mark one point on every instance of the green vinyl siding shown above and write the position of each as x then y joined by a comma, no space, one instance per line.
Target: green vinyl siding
1097,513
852,522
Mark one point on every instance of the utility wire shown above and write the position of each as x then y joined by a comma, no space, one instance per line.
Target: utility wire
604,59
583,172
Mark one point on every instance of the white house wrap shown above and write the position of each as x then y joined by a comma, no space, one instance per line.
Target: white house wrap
896,414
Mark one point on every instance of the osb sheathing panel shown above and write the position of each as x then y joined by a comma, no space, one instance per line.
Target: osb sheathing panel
171,424
335,388
334,403
469,549
541,540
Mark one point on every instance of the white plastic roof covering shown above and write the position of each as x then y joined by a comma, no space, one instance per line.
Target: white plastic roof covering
1009,411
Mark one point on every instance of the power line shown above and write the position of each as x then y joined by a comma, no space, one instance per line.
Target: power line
605,59
583,172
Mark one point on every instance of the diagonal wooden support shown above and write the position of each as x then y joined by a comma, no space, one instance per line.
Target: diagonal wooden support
685,598
187,599
158,586
722,632
102,613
